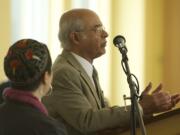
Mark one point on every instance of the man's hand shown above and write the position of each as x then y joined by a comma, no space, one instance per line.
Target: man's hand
158,101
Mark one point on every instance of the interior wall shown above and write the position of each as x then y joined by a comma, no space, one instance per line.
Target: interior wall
154,42
5,34
162,44
172,46
127,19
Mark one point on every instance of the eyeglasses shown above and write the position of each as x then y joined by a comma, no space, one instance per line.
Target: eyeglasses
99,29
96,29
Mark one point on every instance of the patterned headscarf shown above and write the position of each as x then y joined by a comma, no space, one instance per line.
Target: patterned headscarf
26,61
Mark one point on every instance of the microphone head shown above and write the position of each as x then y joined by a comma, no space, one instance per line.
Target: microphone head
119,40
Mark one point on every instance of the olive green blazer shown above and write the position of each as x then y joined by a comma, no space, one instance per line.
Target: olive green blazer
75,102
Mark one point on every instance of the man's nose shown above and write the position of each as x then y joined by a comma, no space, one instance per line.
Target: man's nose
105,34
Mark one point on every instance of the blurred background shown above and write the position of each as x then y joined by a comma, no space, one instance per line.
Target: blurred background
151,29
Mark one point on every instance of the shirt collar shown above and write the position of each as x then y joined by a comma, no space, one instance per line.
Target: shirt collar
88,67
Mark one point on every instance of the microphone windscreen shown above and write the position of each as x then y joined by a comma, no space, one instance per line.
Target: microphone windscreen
119,40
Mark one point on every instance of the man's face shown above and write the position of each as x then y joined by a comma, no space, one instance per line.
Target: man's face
93,37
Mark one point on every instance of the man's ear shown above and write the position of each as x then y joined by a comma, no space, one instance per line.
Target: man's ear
75,37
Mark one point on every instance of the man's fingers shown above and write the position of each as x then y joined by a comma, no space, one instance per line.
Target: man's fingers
159,87
147,89
166,107
175,96
175,99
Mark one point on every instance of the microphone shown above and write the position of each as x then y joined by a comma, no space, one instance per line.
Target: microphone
119,41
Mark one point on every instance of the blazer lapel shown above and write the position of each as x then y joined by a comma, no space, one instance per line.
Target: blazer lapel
72,60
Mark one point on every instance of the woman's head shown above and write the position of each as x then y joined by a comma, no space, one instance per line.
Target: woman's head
26,64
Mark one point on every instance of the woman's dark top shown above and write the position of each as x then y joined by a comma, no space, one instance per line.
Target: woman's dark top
26,117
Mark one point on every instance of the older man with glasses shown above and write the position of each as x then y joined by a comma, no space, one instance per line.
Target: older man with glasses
77,97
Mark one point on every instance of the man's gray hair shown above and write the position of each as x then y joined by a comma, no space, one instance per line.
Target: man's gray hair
66,26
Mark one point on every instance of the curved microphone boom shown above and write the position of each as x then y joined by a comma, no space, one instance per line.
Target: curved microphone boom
119,41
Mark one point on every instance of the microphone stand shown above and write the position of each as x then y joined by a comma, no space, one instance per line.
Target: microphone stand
134,91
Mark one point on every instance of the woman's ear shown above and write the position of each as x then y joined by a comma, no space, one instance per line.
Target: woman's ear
45,78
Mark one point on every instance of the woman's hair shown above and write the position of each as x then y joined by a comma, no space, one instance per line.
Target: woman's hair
25,64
